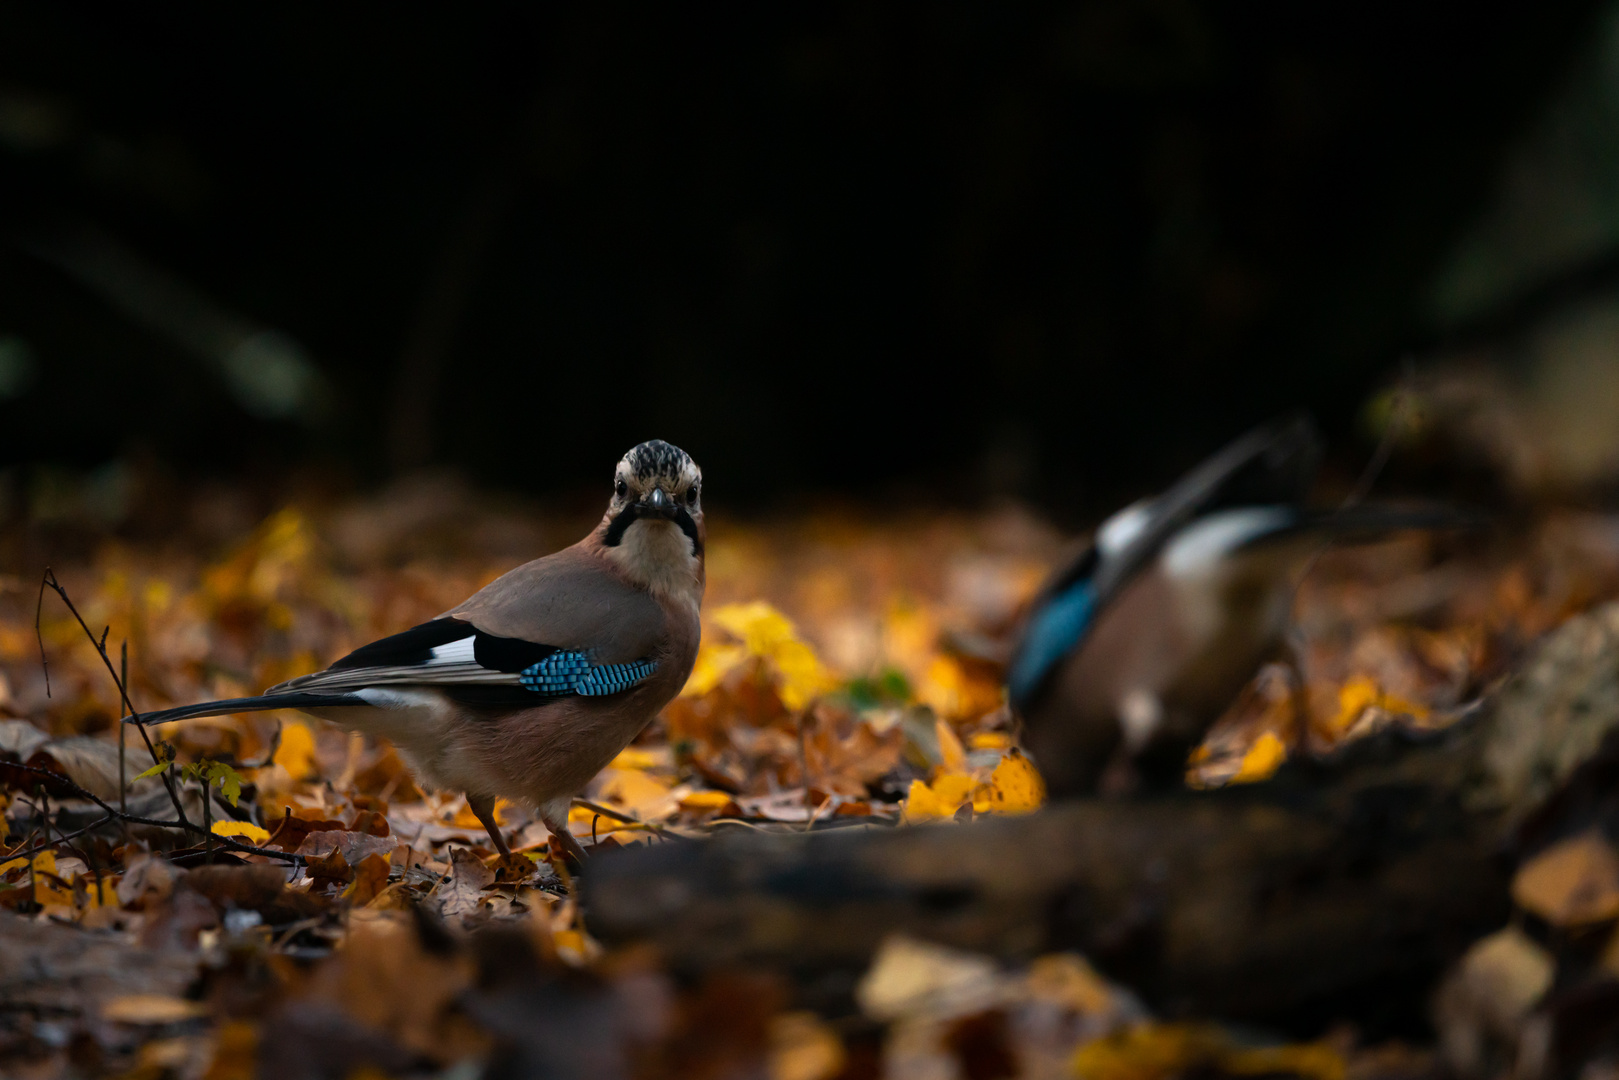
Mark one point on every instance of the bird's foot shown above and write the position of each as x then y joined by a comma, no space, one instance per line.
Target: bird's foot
483,806
564,843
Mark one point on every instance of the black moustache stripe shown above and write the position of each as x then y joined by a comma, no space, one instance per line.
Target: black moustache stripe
631,514
689,527
615,528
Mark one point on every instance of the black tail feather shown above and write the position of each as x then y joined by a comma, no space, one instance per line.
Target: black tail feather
1374,519
247,704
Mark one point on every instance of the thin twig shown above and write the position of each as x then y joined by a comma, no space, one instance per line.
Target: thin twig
619,815
74,835
59,589
123,784
187,826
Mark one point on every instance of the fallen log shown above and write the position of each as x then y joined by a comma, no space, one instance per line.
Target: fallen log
1335,889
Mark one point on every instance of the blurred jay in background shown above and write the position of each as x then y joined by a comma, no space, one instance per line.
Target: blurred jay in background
1139,643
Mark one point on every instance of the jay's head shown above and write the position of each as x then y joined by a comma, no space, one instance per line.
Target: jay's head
656,513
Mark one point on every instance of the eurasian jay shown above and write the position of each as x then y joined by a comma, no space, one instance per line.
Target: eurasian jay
1139,643
528,688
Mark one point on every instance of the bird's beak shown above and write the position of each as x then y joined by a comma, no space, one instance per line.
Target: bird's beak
659,505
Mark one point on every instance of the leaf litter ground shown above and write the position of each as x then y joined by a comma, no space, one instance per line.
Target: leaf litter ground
849,678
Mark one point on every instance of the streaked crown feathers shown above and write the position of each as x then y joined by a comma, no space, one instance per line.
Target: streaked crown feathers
657,460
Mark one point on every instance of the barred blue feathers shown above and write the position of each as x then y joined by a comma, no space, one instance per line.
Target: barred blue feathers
564,673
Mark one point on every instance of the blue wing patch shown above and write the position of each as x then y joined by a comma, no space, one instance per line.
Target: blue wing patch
1053,632
564,673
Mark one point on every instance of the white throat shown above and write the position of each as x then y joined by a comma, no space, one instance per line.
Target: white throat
657,555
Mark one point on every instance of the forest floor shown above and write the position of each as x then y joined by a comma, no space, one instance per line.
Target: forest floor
850,677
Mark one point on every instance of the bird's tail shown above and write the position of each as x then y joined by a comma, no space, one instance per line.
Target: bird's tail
247,704
1373,520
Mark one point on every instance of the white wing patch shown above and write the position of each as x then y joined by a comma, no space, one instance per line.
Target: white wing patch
454,652
452,662
1196,551
1119,531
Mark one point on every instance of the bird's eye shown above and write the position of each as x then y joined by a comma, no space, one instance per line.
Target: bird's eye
622,488
691,495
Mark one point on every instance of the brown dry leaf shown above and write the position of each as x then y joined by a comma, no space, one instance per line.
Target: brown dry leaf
328,868
1068,979
910,978
355,846
462,894
236,1046
153,1009
1572,883
804,1047
253,886
370,878
294,828
387,981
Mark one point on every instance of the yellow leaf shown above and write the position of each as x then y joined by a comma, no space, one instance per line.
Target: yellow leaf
248,831
953,789
1361,693
922,804
10,865
1016,786
952,690
1314,1061
466,819
765,632
1262,760
705,800
638,792
603,823
760,627
1146,1052
991,740
296,754
47,893
952,758
714,662
633,757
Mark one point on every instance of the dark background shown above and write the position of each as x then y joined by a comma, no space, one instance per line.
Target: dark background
1053,251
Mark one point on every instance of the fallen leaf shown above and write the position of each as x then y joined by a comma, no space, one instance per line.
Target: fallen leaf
296,753
922,803
952,756
1015,787
370,878
645,796
329,867
804,1047
49,889
1572,883
462,894
1262,759
915,978
236,1047
1068,979
249,832
634,757
151,1009
710,802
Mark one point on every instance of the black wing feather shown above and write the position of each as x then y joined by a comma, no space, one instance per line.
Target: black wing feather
407,648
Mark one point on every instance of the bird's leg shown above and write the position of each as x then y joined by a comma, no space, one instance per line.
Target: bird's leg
484,807
562,838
